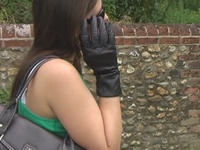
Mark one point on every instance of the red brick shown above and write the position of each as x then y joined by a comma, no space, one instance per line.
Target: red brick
163,30
195,128
194,29
119,41
190,40
8,31
1,43
194,113
169,40
189,56
141,31
174,30
191,90
130,41
195,73
117,29
194,64
145,41
185,74
184,30
128,30
18,43
152,30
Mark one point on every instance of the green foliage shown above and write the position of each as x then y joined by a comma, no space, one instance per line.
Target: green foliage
137,11
192,4
185,16
176,11
15,11
110,8
4,96
154,11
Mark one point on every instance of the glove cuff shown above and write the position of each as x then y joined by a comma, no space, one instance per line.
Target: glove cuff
108,85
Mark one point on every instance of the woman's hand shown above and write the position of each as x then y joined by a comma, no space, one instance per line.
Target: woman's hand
99,52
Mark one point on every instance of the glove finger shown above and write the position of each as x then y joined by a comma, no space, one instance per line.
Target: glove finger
84,35
111,34
94,31
102,30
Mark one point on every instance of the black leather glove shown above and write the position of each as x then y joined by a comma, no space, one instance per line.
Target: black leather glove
99,52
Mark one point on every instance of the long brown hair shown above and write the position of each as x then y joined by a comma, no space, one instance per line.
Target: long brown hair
55,25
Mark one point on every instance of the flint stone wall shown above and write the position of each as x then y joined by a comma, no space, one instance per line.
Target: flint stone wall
160,77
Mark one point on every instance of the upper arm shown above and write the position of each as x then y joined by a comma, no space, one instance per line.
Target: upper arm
74,105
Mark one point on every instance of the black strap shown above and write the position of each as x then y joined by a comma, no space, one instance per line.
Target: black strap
8,113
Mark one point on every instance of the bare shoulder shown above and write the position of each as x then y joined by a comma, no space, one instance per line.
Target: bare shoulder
57,67
57,74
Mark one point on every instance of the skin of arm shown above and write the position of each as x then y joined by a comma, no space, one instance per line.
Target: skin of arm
57,91
111,114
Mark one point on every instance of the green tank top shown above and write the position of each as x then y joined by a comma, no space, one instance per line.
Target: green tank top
52,125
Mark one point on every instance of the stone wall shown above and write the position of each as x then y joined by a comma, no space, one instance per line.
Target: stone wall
160,70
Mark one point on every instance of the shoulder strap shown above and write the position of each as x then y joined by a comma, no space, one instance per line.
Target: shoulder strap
8,113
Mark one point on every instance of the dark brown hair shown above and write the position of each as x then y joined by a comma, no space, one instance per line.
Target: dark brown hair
55,25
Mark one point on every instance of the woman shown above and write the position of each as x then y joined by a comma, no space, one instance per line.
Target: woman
57,98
